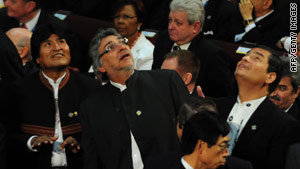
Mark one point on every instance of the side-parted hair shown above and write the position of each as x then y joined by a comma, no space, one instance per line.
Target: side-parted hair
275,65
95,44
193,8
187,62
295,76
206,126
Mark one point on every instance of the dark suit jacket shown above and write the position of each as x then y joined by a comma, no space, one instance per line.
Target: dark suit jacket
267,31
221,19
32,112
293,157
11,67
216,74
109,115
295,109
2,147
266,136
78,54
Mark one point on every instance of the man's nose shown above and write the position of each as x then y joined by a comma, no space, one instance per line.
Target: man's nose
225,153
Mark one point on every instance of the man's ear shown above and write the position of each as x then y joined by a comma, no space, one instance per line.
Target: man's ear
101,69
267,4
187,78
200,146
30,5
23,51
297,92
197,26
271,77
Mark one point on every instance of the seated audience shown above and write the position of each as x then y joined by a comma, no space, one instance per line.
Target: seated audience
186,64
186,20
260,131
133,115
43,123
29,14
21,39
285,96
128,20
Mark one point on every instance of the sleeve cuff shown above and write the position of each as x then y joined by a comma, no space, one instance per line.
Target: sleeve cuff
29,145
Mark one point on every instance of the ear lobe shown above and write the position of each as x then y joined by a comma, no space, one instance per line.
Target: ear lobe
30,6
271,77
197,26
187,77
23,52
267,4
101,69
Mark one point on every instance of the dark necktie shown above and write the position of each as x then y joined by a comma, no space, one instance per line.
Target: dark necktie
176,48
23,26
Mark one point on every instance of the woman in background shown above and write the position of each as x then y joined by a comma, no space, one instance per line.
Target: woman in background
128,19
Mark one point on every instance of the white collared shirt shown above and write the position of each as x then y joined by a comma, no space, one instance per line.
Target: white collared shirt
239,116
185,164
32,23
136,155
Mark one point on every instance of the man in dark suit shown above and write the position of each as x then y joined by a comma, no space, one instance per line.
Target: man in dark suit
133,116
186,20
261,23
221,20
204,141
2,146
28,14
11,67
260,131
43,123
285,96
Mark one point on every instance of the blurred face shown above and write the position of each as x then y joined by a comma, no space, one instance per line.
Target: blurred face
17,8
118,58
126,21
253,66
180,30
54,53
215,155
283,95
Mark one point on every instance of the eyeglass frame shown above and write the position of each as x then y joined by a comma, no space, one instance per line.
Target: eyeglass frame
125,17
113,45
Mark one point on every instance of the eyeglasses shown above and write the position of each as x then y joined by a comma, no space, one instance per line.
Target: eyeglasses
113,45
124,17
224,146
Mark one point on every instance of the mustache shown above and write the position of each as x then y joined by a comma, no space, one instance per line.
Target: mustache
275,97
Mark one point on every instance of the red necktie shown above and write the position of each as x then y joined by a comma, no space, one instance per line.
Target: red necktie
23,26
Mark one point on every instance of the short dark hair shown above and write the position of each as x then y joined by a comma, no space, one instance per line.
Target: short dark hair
42,33
193,105
138,6
275,65
294,76
206,126
187,62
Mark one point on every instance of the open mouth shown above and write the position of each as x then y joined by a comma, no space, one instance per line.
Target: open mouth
57,55
124,56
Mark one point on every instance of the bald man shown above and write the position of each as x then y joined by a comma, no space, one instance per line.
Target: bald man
21,39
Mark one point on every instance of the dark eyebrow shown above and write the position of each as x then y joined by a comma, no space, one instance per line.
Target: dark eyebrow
107,44
259,54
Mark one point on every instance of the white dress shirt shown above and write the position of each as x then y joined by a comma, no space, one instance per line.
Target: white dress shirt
182,47
32,23
238,118
185,164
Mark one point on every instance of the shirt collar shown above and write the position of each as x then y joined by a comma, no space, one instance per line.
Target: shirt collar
119,85
262,17
288,108
252,102
32,23
185,164
182,47
51,81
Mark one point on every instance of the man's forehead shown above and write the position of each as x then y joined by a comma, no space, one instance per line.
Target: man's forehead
260,51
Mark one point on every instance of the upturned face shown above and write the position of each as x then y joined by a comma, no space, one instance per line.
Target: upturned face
116,55
54,53
253,67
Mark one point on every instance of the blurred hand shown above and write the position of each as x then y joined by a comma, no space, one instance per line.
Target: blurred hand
246,8
72,143
36,142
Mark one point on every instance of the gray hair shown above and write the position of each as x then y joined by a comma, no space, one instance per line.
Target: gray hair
295,76
95,44
193,8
